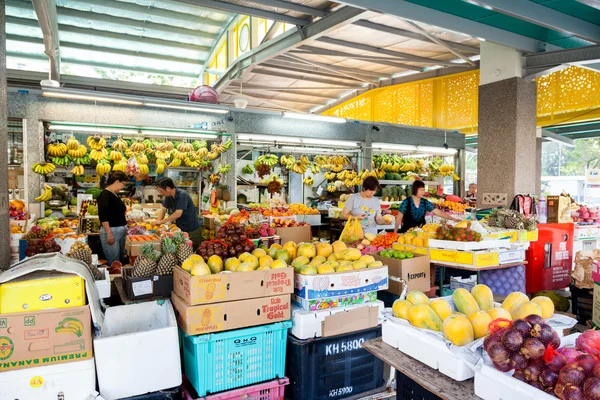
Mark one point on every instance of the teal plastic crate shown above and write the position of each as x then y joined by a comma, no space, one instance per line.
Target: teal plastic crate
223,361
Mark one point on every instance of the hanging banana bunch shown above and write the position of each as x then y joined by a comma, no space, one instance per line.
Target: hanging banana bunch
217,148
199,144
330,176
102,168
287,161
314,168
331,188
185,147
176,162
79,152
120,166
116,156
96,142
77,170
43,168
212,155
228,144
446,170
137,147
214,178
119,144
72,144
309,181
223,169
57,150
98,155
142,159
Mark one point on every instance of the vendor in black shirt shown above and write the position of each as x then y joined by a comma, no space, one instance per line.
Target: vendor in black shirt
181,209
111,212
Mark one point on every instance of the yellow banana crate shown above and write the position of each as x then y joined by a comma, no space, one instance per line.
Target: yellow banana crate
42,290
466,258
421,250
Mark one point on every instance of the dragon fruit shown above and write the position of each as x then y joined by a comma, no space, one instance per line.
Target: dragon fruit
589,342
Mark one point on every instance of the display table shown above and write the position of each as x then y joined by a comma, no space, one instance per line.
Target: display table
438,384
488,275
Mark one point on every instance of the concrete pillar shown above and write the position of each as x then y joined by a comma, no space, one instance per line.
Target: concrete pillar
538,166
4,224
506,158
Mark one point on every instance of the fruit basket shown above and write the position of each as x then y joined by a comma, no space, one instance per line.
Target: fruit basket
272,390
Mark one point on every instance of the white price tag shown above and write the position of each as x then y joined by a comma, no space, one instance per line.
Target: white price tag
320,190
142,288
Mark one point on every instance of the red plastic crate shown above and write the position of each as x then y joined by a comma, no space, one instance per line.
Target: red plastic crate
272,390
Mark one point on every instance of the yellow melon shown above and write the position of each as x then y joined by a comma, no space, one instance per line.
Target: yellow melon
306,250
215,263
279,264
200,269
265,261
258,253
480,321
232,264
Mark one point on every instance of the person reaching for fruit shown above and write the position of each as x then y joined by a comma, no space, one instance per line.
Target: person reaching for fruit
111,212
413,209
365,207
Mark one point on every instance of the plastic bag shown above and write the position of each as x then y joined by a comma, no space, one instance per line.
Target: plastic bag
352,231
132,166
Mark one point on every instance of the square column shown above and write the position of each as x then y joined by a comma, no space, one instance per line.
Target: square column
4,224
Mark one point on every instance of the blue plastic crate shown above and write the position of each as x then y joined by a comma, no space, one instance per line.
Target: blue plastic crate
335,367
407,389
222,361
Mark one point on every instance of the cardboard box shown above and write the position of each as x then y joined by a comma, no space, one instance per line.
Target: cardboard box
341,283
235,286
335,301
511,256
38,338
464,258
469,246
296,234
146,287
135,248
207,318
415,271
209,222
559,209
42,290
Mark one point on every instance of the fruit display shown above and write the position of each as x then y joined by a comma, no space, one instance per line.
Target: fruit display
16,229
143,238
384,240
41,246
277,212
510,219
16,210
454,206
88,207
209,248
301,209
308,181
81,251
397,254
586,214
37,232
235,238
447,232
248,169
324,258
168,259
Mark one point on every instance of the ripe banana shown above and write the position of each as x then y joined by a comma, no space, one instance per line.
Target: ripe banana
142,159
77,170
116,156
185,147
45,195
43,168
138,147
103,168
217,148
175,163
144,169
120,166
72,144
160,169
119,144
330,175
96,142
79,152
455,177
309,181
213,156
57,150
223,169
331,188
98,154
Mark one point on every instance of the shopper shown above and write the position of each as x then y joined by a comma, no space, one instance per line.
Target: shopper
472,193
111,212
181,209
366,207
413,209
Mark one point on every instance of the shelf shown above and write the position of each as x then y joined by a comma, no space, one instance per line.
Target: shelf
387,182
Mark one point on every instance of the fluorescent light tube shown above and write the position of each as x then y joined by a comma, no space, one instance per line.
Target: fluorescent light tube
418,155
75,128
311,117
267,138
437,150
314,150
391,146
91,98
326,142
198,135
189,107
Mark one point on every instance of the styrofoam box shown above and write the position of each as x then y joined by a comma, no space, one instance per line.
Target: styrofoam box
425,349
103,285
311,219
138,350
511,256
491,384
75,380
469,246
308,324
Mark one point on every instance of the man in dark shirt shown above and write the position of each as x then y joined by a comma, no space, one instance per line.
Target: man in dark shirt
180,207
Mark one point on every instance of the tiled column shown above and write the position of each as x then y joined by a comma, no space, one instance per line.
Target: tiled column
507,156
4,225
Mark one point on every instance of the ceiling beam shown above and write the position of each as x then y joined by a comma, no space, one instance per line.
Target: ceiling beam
544,16
271,32
414,35
270,101
286,5
290,89
591,3
261,71
292,68
46,15
337,73
239,9
112,35
426,15
388,61
537,65
372,49
287,41
256,96
575,128
298,62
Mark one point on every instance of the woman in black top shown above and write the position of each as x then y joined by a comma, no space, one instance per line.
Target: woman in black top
111,212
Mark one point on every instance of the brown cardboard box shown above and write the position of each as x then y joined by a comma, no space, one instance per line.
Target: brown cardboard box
209,222
35,339
134,249
207,318
352,320
228,287
559,209
295,234
415,271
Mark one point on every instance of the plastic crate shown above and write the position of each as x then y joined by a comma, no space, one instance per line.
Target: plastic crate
407,389
582,303
222,361
169,394
333,367
273,390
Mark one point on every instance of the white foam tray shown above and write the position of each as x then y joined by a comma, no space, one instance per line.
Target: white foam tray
469,246
75,380
103,284
425,348
308,324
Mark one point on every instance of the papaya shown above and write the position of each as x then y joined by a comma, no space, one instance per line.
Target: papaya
546,305
400,308
525,310
416,297
458,330
499,312
513,301
442,308
561,303
464,301
483,296
423,316
479,321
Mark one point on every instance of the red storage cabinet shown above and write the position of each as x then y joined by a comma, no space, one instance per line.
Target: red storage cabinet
550,258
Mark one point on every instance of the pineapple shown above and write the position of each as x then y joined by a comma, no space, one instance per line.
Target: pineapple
145,264
183,250
168,259
511,221
530,224
82,252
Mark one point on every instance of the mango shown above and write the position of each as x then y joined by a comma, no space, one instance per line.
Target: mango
423,316
242,257
400,308
458,330
215,263
232,264
416,297
442,308
499,312
483,296
333,264
513,301
546,305
274,249
344,268
332,257
265,261
464,302
480,321
279,264
526,309
258,253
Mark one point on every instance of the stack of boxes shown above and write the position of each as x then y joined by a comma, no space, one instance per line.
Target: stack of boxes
233,329
332,315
